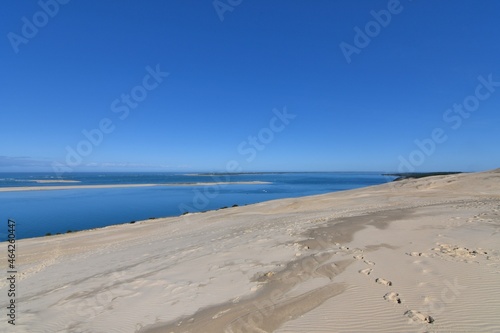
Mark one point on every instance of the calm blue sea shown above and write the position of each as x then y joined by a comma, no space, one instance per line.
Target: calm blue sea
40,212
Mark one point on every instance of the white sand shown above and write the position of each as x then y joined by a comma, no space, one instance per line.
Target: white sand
409,256
74,187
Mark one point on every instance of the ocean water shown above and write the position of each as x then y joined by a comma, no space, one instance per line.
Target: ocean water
38,213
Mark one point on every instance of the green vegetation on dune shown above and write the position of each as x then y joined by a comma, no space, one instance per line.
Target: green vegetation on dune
415,175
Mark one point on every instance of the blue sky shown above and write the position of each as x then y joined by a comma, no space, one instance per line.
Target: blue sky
379,100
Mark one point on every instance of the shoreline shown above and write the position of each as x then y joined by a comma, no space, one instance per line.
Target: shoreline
386,254
70,229
75,187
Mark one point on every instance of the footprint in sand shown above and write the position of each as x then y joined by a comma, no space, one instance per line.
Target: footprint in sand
368,262
383,281
419,317
366,271
392,297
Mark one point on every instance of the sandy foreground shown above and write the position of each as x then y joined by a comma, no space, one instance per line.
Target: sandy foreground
409,256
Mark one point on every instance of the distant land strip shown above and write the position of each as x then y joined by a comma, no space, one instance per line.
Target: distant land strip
74,187
415,175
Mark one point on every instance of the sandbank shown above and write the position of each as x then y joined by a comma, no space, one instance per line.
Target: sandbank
76,187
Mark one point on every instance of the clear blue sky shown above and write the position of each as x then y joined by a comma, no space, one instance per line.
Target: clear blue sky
359,102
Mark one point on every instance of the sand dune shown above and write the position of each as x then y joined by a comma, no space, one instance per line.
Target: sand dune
409,256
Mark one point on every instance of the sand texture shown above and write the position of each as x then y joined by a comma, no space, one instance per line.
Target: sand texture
409,256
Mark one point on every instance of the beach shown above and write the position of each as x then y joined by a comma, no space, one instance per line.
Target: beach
416,255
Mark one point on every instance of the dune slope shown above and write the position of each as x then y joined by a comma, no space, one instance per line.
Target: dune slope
414,255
